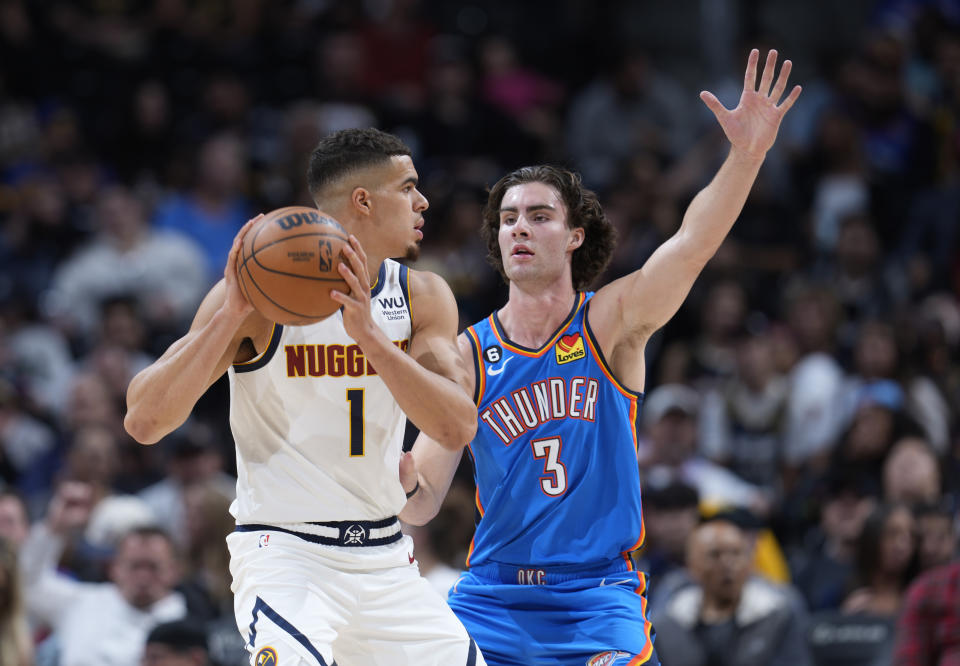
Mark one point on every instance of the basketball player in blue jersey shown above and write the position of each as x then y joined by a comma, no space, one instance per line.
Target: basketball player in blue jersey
558,381
321,571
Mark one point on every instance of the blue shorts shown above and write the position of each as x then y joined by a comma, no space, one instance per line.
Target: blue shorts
556,616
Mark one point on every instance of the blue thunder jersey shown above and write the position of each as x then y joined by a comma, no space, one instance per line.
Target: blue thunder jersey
555,454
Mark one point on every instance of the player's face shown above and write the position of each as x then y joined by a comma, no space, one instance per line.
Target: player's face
535,242
400,207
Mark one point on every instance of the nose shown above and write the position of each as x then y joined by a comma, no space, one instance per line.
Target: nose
520,227
421,203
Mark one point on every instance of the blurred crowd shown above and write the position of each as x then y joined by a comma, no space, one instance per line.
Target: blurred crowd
800,447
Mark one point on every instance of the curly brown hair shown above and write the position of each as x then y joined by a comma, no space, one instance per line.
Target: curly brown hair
583,210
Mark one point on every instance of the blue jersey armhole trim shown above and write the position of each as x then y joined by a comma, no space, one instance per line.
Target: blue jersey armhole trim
265,357
603,361
381,280
405,289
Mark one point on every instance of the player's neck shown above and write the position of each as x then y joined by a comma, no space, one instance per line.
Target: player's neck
531,316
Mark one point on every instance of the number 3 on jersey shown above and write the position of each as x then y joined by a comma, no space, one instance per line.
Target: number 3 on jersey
548,450
355,398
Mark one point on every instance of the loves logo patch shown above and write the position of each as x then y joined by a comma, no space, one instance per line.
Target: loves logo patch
570,348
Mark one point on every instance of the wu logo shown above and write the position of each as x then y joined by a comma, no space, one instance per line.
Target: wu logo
391,303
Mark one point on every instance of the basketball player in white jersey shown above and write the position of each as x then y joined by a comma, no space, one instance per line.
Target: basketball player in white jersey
321,572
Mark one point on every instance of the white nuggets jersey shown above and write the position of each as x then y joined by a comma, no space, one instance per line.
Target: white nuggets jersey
318,433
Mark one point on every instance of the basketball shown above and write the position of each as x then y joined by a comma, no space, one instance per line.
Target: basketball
288,265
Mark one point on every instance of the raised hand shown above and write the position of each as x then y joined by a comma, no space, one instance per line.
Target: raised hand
752,126
70,507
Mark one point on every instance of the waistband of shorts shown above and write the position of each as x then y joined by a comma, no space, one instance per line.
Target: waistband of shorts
345,533
549,574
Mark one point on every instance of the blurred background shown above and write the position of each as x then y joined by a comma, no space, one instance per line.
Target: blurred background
807,392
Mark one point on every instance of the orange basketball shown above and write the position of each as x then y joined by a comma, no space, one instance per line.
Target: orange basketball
288,265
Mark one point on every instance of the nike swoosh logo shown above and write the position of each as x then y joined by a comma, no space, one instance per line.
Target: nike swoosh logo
410,556
615,582
493,372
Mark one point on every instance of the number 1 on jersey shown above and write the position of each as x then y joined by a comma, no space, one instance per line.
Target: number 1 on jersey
549,449
355,398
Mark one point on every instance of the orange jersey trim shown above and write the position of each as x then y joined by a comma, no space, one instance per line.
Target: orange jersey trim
647,652
480,509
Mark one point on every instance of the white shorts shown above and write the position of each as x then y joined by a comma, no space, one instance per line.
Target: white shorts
297,602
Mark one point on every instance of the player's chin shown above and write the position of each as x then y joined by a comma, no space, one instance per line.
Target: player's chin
413,252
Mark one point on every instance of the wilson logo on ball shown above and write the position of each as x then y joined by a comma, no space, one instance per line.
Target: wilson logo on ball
298,219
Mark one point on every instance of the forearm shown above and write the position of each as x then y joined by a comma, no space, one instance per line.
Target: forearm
435,404
161,397
716,207
423,505
40,553
432,472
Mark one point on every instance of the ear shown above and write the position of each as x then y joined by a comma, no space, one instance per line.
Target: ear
577,237
361,201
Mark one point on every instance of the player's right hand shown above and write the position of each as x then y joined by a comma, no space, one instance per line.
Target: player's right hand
236,301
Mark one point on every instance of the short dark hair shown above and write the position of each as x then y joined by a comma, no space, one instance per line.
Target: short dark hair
179,635
349,150
149,532
583,210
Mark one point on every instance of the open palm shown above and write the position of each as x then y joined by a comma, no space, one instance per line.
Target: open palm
752,126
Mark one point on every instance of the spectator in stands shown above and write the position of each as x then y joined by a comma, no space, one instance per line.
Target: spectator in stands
722,320
814,412
14,520
103,624
823,564
670,515
16,645
937,540
176,643
629,108
213,212
207,525
877,423
193,459
669,451
886,562
911,473
165,270
742,419
927,629
729,617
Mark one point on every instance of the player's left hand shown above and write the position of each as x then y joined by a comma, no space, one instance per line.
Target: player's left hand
752,126
357,319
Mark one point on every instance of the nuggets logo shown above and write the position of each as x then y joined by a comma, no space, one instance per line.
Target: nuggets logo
606,658
266,657
570,348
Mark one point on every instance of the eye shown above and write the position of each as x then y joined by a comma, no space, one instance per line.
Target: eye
508,220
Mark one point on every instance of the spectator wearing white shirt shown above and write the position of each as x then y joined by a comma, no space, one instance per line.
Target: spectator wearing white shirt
668,452
100,624
165,270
